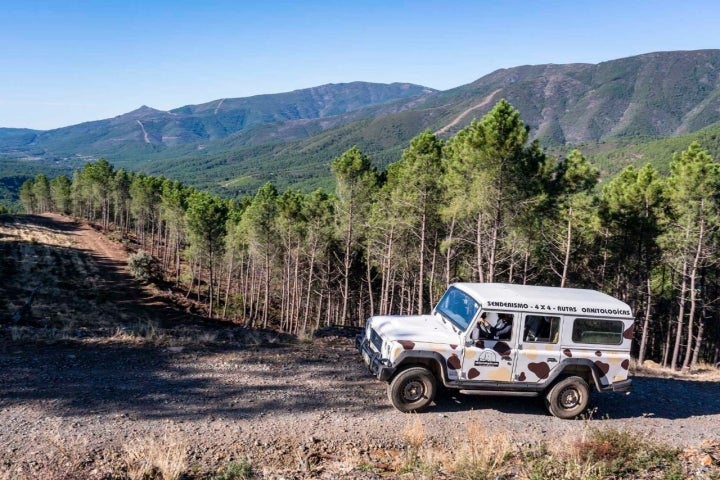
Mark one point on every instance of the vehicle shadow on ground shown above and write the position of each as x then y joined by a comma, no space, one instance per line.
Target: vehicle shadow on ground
651,397
450,401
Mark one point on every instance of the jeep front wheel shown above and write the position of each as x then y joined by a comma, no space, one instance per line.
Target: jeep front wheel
568,398
412,390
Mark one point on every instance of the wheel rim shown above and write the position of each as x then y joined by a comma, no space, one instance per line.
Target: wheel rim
570,398
413,391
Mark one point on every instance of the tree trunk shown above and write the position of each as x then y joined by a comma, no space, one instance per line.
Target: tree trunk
680,318
370,289
227,286
699,340
568,242
478,240
693,294
387,273
296,292
494,246
210,286
421,260
448,253
646,322
266,300
308,294
431,281
347,262
666,345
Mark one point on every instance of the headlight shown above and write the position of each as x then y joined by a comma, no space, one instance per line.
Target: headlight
376,341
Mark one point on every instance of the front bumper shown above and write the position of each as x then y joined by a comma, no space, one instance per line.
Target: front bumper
372,359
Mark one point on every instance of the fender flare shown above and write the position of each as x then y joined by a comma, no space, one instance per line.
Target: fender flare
583,362
407,358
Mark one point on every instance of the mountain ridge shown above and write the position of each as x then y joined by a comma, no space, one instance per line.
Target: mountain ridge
242,142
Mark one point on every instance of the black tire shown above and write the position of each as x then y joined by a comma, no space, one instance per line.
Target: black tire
412,390
568,398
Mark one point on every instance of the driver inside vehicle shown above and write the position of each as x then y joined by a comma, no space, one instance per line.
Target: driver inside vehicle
500,329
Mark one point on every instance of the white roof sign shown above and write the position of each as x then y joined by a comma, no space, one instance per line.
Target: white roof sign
502,296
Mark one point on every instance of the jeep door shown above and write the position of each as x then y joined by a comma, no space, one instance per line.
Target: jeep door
488,356
538,351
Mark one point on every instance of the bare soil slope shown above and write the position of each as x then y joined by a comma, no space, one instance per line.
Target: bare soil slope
105,368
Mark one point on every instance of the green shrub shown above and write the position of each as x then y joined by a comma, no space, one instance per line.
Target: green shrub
236,471
624,453
145,267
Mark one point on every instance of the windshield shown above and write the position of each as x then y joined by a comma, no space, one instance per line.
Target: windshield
458,307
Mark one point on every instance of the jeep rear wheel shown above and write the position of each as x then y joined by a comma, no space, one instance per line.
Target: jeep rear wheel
412,390
568,398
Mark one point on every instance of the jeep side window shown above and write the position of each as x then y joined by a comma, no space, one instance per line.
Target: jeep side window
541,329
495,326
594,331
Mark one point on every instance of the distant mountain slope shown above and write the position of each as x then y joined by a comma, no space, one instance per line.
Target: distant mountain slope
234,145
146,130
617,102
658,153
656,94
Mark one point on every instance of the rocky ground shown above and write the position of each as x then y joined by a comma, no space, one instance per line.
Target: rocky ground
74,400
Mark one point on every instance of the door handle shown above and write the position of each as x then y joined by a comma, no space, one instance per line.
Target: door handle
552,359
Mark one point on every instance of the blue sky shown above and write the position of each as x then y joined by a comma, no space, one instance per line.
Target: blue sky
65,62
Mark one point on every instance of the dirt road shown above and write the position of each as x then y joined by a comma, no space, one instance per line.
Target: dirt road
131,370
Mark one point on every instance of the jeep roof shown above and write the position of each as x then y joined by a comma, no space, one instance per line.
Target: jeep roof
494,296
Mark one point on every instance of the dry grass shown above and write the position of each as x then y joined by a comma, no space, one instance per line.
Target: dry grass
414,432
150,457
592,454
486,453
414,437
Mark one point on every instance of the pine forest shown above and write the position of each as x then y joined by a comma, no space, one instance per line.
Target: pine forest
487,205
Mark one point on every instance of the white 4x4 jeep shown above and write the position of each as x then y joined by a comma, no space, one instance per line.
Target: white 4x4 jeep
490,338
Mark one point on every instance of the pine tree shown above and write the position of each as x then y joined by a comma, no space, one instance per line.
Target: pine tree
690,238
571,232
259,225
414,195
60,192
27,196
630,208
356,181
206,218
493,180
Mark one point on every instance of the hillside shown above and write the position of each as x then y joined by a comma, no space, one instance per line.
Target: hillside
234,145
146,130
657,152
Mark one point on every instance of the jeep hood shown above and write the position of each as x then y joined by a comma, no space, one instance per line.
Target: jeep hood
415,328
